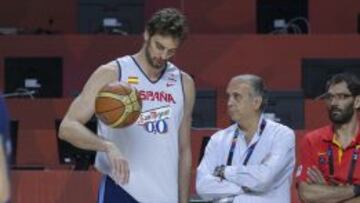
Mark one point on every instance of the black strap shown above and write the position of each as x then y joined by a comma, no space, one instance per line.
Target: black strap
250,149
232,147
249,153
330,160
355,156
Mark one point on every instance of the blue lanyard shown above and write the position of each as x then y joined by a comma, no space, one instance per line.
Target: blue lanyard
250,149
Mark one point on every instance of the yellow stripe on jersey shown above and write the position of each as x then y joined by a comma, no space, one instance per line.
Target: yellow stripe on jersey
340,149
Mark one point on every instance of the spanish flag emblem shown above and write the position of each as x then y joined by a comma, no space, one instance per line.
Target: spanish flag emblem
133,80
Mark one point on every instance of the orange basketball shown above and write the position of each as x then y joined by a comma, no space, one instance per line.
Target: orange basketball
118,105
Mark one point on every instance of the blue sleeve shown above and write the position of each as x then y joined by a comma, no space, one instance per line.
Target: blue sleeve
4,120
4,124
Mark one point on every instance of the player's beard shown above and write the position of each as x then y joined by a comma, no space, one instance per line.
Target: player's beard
341,116
153,61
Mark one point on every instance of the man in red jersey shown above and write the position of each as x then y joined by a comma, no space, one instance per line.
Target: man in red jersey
329,169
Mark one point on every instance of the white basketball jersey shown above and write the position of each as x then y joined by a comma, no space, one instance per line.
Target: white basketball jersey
151,144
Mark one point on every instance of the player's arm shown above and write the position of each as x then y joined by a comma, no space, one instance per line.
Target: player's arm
73,130
325,193
184,139
353,200
317,189
4,179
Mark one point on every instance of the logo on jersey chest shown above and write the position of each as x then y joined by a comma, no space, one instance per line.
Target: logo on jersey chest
155,120
322,158
171,80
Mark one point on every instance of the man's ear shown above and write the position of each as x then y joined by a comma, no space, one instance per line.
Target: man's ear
146,36
357,102
257,102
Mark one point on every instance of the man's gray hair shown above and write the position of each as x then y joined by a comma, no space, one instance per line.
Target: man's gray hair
257,84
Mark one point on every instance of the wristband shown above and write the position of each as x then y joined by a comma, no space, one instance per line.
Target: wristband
219,172
222,171
357,190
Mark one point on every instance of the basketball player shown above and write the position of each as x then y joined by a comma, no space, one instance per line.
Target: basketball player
149,161
4,131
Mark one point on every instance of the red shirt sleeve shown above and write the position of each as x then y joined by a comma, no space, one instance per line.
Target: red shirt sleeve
307,158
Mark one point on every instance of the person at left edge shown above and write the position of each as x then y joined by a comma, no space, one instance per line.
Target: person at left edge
4,153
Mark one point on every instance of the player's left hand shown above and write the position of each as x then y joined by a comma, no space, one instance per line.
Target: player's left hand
315,176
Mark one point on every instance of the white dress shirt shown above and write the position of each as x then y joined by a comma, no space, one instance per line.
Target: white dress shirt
265,178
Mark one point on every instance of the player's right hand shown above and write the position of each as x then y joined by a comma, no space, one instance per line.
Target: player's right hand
119,165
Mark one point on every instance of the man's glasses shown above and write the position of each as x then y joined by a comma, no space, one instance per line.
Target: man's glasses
338,97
